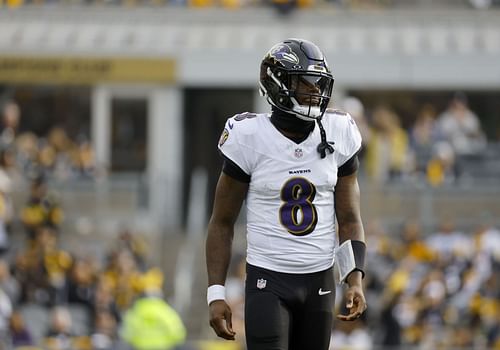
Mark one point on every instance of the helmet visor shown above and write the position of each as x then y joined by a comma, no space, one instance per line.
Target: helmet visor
312,83
311,88
309,93
315,82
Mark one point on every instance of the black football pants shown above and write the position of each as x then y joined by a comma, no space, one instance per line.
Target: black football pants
286,311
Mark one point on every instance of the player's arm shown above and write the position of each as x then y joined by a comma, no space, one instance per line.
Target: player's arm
347,208
229,196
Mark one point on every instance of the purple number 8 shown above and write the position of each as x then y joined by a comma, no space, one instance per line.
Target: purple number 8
298,214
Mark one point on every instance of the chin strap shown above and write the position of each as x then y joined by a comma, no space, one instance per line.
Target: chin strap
324,145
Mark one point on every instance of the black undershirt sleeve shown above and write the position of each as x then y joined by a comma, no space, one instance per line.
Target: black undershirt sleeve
349,167
230,168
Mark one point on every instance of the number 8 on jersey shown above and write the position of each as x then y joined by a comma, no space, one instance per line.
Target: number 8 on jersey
298,214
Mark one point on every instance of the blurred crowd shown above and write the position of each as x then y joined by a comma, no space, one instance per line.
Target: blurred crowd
435,291
426,289
25,155
58,300
435,149
284,6
436,146
61,300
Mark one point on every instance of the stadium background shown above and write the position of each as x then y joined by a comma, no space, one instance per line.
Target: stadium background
116,106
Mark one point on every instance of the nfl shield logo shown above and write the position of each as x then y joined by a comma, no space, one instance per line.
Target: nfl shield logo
298,153
261,283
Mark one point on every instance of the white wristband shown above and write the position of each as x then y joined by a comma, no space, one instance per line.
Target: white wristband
346,261
216,292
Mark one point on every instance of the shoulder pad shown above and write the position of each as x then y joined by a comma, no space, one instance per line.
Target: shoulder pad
243,123
244,115
333,112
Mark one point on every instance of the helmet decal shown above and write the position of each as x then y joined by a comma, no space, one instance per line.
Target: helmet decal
283,52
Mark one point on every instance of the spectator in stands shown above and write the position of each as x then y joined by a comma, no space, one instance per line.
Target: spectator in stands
5,313
20,334
387,150
487,237
81,283
104,335
83,159
41,269
355,108
151,323
413,244
104,300
59,156
433,293
390,327
135,244
41,208
6,210
284,7
423,136
29,271
53,155
8,167
459,126
11,114
441,168
59,336
26,149
124,275
492,321
461,336
448,242
56,263
47,157
8,283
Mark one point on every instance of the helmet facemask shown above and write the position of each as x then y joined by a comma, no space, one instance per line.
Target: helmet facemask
311,93
305,94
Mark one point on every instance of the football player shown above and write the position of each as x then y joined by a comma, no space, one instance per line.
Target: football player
296,168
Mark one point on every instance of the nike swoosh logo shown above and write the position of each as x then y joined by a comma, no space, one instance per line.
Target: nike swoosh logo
324,292
230,125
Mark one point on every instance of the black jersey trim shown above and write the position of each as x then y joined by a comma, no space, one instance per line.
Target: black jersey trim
349,167
232,169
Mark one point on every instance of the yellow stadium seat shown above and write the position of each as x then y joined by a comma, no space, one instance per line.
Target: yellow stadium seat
200,3
230,4
14,3
305,3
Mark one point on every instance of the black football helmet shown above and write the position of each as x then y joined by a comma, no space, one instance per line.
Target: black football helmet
285,67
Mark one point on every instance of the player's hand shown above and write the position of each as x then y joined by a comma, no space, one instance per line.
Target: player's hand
220,319
355,303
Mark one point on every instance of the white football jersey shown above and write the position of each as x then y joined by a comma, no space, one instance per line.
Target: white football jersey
290,200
